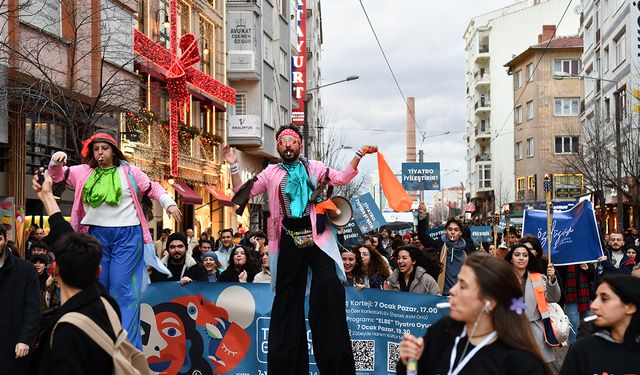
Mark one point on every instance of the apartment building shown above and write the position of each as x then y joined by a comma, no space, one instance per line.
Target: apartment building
64,72
261,38
546,123
492,39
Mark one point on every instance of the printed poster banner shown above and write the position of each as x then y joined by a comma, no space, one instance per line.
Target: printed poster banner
575,237
482,233
8,216
366,213
352,234
421,176
223,328
436,232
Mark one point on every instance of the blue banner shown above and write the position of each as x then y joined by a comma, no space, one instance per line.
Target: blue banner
575,237
352,234
482,233
223,328
366,213
421,176
436,232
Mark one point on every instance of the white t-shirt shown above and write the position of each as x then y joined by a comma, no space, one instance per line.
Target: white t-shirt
618,257
105,215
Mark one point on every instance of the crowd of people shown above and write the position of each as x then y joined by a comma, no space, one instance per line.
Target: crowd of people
499,298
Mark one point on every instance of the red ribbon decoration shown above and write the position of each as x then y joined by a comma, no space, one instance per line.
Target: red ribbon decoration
87,142
179,73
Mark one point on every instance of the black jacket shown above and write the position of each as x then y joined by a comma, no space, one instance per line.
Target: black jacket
193,270
20,311
72,351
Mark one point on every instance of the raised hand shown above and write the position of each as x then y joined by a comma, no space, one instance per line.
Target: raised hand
230,154
175,213
367,149
59,158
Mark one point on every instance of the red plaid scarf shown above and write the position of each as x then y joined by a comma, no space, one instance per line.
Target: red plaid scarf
576,288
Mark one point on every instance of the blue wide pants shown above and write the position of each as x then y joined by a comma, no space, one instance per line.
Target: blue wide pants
122,271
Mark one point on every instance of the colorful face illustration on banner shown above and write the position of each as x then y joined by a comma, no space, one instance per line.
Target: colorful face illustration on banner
225,342
190,334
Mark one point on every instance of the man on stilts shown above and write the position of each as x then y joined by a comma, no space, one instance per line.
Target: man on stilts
301,240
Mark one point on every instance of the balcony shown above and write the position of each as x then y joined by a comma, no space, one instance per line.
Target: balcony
483,157
482,81
483,135
483,54
482,106
244,131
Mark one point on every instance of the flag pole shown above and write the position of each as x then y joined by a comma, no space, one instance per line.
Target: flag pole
547,195
496,221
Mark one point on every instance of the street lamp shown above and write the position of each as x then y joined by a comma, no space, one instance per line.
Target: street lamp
305,129
616,101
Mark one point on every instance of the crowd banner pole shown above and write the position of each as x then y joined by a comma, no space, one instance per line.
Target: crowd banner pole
547,195
496,221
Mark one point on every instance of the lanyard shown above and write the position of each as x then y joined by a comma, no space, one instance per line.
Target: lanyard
468,357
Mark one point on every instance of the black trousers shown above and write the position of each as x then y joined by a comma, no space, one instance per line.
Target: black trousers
288,349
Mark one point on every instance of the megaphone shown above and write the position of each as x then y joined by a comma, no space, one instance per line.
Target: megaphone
343,214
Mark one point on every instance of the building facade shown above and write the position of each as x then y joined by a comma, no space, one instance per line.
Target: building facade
610,66
64,72
201,186
261,41
491,40
547,124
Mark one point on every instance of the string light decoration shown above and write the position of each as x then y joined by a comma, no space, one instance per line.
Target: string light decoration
179,74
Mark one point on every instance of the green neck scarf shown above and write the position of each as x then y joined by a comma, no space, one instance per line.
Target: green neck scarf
298,188
103,186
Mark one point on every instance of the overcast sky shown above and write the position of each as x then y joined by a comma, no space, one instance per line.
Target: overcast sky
423,42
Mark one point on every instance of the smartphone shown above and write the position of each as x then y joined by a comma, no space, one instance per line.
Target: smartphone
41,175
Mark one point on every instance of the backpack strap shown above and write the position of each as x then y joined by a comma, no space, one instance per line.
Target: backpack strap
543,307
89,327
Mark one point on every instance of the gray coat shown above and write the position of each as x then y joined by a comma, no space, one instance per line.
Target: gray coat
552,294
422,283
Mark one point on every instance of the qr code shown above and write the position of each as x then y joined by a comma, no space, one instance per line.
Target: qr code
364,353
393,356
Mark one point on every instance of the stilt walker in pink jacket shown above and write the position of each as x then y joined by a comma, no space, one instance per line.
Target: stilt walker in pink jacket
302,244
106,204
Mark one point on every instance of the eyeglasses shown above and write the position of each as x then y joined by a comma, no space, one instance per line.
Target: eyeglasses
285,141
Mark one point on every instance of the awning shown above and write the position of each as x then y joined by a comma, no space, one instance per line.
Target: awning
218,194
188,195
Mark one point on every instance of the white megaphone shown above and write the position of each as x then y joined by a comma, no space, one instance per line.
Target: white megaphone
341,216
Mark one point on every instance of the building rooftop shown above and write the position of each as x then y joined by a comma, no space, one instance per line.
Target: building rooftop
561,42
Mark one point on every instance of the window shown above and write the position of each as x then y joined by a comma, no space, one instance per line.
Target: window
43,14
566,67
517,79
531,183
529,70
529,109
567,145
184,18
566,106
520,184
284,63
484,176
620,52
530,147
206,45
267,50
284,116
518,150
607,109
241,103
267,111
517,115
605,58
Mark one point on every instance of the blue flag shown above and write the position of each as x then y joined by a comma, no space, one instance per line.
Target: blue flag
575,237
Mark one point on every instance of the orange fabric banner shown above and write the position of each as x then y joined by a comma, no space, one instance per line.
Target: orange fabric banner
397,197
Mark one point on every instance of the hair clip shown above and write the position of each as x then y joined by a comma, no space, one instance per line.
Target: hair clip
518,305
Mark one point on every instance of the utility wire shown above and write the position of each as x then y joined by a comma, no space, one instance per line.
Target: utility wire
544,50
422,133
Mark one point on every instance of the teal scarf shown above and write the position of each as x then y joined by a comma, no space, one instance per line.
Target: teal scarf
298,188
103,186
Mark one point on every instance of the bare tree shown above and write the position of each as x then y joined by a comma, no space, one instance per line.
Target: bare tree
328,151
502,191
74,68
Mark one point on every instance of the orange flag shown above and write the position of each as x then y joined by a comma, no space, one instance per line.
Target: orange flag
397,197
